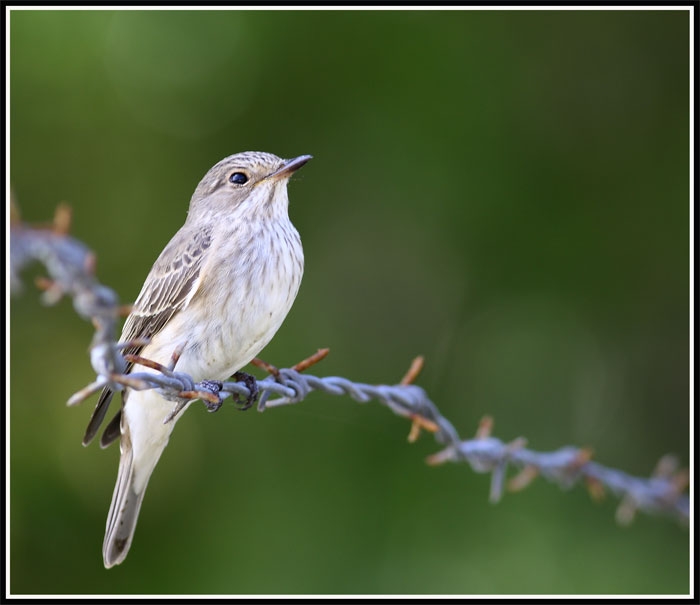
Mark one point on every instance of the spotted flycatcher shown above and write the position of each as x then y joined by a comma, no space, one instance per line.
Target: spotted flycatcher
217,294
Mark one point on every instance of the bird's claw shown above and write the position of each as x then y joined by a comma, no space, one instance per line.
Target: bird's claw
252,385
214,386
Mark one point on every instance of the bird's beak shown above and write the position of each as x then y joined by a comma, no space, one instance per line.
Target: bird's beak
288,168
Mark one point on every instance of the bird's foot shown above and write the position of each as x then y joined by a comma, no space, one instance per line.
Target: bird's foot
214,403
252,385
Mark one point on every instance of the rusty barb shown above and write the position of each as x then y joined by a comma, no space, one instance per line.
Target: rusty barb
71,269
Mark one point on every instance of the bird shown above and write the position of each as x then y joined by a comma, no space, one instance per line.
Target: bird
215,296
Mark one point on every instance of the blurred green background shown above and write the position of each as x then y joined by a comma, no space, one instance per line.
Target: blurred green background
506,193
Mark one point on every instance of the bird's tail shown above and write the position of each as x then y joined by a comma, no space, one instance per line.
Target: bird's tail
123,513
144,436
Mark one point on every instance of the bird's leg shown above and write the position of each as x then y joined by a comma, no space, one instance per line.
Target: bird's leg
251,384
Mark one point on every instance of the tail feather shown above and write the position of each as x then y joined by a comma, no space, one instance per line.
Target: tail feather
123,513
144,436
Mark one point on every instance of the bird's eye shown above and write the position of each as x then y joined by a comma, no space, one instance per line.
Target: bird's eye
238,178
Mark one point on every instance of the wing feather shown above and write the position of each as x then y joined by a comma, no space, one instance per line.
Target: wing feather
170,285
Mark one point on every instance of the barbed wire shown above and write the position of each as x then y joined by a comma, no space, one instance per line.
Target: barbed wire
71,266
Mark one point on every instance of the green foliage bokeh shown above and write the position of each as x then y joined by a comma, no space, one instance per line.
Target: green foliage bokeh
504,192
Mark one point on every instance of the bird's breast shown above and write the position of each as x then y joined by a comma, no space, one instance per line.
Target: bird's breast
242,302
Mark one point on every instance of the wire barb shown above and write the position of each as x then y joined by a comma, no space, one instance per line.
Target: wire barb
305,364
71,269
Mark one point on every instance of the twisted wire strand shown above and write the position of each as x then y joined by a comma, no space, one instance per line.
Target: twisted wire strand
71,266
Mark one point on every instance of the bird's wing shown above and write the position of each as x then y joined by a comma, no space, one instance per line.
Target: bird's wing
169,287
